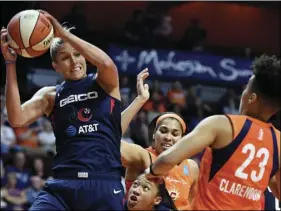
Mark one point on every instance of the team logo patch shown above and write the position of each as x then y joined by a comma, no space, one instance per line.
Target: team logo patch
84,114
71,130
185,170
174,194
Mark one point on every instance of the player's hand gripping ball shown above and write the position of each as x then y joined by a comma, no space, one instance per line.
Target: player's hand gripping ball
30,33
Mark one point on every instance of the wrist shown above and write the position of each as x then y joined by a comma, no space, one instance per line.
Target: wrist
63,33
141,100
10,62
149,170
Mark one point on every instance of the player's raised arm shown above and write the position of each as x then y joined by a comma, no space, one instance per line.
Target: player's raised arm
143,95
107,71
203,135
38,105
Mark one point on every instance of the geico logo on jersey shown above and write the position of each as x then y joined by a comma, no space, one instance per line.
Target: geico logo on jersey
79,97
88,128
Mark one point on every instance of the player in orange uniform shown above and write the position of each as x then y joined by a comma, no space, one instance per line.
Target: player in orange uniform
242,154
166,130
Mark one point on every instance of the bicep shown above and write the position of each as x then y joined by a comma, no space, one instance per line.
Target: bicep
108,77
36,106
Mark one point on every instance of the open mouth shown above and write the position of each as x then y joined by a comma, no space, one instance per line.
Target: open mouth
76,69
133,198
166,146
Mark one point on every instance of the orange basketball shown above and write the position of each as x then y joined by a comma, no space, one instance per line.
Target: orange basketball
31,33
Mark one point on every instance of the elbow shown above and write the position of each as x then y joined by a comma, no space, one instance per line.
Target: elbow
14,122
108,64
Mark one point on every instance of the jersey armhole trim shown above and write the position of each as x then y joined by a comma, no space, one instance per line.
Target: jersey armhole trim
232,126
56,100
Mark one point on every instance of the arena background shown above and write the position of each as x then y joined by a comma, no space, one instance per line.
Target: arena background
198,55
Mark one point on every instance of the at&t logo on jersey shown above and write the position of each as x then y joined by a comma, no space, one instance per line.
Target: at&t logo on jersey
84,129
88,128
79,97
71,130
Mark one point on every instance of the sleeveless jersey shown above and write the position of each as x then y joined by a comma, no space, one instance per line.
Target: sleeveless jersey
178,182
269,202
87,126
236,176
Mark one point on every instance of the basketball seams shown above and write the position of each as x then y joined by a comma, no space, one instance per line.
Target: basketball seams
43,39
14,33
20,34
33,30
31,36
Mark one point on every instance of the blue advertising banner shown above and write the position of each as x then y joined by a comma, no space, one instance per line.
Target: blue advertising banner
175,64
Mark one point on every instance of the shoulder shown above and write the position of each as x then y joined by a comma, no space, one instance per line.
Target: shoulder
45,93
215,119
45,90
215,123
194,168
193,164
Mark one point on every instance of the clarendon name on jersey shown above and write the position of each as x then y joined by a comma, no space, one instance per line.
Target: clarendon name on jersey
79,97
240,190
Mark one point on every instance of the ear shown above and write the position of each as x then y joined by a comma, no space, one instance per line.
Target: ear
55,66
157,200
253,97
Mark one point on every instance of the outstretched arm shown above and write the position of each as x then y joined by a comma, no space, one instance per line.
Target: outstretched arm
107,71
203,135
143,95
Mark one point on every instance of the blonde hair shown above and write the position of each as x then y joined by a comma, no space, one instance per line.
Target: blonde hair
57,42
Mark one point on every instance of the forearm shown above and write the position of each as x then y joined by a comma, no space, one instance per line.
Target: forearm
162,165
129,113
92,53
13,103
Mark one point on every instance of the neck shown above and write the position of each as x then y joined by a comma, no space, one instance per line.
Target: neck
262,117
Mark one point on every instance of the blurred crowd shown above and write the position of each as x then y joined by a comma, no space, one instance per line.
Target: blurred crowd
27,152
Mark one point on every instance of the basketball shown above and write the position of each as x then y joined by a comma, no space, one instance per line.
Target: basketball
31,33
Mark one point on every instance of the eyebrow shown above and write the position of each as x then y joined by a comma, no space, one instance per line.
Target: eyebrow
62,52
148,183
168,127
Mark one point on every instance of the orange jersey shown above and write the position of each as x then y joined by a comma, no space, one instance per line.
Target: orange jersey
236,176
178,182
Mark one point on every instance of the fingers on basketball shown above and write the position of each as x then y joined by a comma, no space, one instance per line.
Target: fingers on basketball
4,43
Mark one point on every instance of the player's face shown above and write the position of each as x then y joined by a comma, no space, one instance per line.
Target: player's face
167,134
70,63
247,98
143,195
